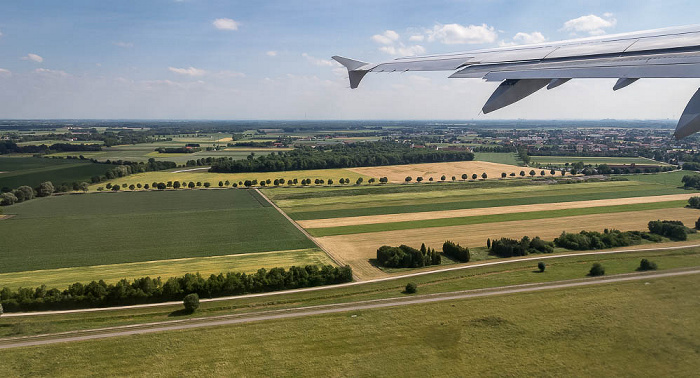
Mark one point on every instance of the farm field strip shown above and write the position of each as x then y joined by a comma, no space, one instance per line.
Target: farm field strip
561,160
430,215
491,218
602,320
356,250
246,262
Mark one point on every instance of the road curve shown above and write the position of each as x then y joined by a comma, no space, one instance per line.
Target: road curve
323,309
354,283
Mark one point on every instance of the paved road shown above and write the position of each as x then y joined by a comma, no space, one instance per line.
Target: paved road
391,278
138,329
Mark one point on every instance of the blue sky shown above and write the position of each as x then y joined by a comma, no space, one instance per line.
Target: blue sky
202,59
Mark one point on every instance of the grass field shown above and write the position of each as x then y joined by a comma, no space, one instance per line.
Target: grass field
498,157
18,171
637,328
248,263
114,228
562,160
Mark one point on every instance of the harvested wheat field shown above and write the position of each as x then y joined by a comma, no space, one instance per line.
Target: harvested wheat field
398,173
356,250
405,217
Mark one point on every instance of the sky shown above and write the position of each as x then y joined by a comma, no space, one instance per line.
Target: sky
270,59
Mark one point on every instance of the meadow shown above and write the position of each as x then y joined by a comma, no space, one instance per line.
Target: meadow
498,157
635,328
115,228
562,160
32,171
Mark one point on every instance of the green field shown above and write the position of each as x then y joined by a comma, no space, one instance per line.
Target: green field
18,171
561,160
114,228
498,157
622,329
336,203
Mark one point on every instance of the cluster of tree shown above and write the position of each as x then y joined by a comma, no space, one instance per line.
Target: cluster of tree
506,247
691,166
523,155
456,251
367,154
125,168
588,240
694,202
404,256
176,150
674,230
7,147
150,290
691,181
251,144
26,193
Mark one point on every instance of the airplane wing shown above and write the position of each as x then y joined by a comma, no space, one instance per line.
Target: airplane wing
523,70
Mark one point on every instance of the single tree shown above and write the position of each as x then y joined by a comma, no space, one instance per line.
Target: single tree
522,173
191,185
484,176
532,172
645,265
419,179
488,243
596,270
411,288
191,302
176,185
221,184
132,187
408,179
474,176
541,266
465,176
359,181
454,178
504,175
45,189
443,178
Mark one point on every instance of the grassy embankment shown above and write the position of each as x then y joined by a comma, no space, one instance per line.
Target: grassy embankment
117,228
635,328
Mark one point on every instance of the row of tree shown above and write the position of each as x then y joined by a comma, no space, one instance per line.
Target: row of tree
505,247
368,154
7,147
151,290
589,240
456,251
26,193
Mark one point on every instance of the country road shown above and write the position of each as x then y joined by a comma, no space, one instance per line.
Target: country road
174,325
355,283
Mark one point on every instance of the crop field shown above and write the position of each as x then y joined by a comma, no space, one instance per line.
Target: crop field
398,173
498,157
588,330
85,230
562,160
214,178
18,171
245,262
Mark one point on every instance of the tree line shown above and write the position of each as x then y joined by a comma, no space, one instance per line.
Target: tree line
366,154
404,256
7,147
152,290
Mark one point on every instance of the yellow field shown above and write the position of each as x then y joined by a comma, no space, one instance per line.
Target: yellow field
405,217
248,263
398,173
356,250
214,178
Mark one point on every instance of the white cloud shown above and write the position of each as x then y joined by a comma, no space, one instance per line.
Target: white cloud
402,50
48,72
416,38
33,58
386,38
4,72
230,74
271,53
191,71
524,39
453,34
124,44
0,34
591,24
225,24
318,62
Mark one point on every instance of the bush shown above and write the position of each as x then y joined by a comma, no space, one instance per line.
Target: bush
541,266
596,270
411,288
694,202
191,302
645,265
456,251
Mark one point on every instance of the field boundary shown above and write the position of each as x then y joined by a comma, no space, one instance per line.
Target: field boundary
303,231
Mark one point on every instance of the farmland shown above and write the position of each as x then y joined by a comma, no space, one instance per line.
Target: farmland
117,228
658,318
17,171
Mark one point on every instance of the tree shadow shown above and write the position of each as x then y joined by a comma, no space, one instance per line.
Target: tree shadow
181,312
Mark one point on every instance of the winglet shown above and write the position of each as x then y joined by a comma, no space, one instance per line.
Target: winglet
354,71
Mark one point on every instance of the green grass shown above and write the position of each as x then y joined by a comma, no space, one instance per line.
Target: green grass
461,221
622,329
18,171
561,160
247,263
498,157
113,228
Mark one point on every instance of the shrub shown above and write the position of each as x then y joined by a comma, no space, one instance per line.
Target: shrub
411,288
596,270
645,265
191,302
541,266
